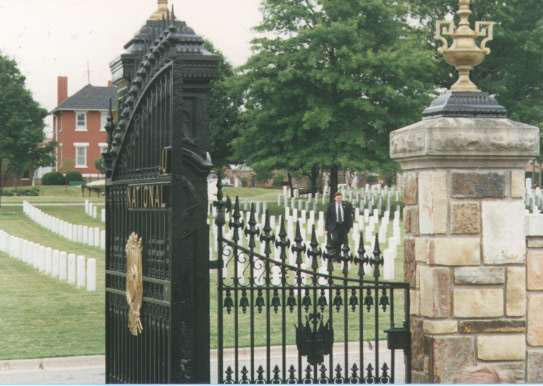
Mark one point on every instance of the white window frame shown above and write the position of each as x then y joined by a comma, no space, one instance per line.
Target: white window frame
102,146
81,145
103,120
77,127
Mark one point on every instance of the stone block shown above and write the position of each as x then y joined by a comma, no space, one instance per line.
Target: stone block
535,320
534,366
423,249
477,302
410,184
501,347
411,220
534,225
503,232
419,377
511,372
435,292
479,275
410,263
535,269
466,218
436,327
515,295
478,185
456,251
518,187
433,202
491,326
414,308
417,344
450,355
535,242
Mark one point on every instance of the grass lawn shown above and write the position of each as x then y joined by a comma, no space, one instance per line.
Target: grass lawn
42,316
74,215
55,194
252,194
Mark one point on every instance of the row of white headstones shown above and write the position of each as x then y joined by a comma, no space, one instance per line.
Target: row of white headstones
93,236
367,224
92,211
76,270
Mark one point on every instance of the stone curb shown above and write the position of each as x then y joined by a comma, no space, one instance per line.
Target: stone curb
52,363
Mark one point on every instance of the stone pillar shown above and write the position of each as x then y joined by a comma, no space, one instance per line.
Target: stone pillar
465,251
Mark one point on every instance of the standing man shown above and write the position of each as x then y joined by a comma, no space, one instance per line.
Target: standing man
339,221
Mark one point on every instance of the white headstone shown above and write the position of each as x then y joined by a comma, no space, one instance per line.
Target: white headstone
81,274
91,275
63,266
55,267
48,261
72,269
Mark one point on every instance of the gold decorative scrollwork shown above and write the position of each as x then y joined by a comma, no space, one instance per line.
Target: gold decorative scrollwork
134,282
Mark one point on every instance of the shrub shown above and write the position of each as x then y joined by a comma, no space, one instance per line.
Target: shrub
20,192
278,181
53,178
73,176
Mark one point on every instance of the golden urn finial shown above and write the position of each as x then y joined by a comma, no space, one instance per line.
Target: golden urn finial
464,54
162,11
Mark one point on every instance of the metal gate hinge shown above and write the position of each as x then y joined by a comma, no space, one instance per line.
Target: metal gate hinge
216,264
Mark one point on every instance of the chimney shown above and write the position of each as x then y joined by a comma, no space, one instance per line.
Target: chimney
62,89
110,83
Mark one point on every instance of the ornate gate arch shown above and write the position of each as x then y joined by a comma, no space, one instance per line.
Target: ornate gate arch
157,166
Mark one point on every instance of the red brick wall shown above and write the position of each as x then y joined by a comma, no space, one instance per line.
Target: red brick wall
67,136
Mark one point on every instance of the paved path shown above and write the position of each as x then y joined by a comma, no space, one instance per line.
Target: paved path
91,369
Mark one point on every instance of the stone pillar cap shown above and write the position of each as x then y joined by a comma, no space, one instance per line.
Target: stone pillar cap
461,141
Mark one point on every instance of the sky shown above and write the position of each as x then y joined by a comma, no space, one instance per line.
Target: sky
49,38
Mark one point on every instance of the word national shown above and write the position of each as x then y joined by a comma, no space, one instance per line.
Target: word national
146,196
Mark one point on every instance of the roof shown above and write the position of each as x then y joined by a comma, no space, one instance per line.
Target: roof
89,98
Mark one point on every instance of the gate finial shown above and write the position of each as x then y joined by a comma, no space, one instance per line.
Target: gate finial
162,11
464,53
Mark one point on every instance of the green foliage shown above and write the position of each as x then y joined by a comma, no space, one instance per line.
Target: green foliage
21,123
28,192
223,108
514,69
74,176
278,180
263,175
100,166
53,178
329,82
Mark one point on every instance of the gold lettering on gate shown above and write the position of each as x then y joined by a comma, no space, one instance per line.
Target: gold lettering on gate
146,196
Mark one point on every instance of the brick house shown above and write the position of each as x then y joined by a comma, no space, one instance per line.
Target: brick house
78,127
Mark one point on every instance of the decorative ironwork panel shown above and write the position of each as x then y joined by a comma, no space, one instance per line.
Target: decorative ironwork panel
156,188
290,311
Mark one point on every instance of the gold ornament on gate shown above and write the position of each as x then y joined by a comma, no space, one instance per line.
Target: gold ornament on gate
162,11
134,282
464,53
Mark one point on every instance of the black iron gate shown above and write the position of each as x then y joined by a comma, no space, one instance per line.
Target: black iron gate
289,312
157,273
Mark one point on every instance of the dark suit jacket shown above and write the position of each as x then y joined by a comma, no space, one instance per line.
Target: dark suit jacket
331,220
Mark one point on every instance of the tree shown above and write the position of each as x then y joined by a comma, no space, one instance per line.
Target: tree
328,82
21,123
514,69
223,108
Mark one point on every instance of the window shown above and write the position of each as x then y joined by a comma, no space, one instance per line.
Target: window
103,147
80,121
103,121
81,155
